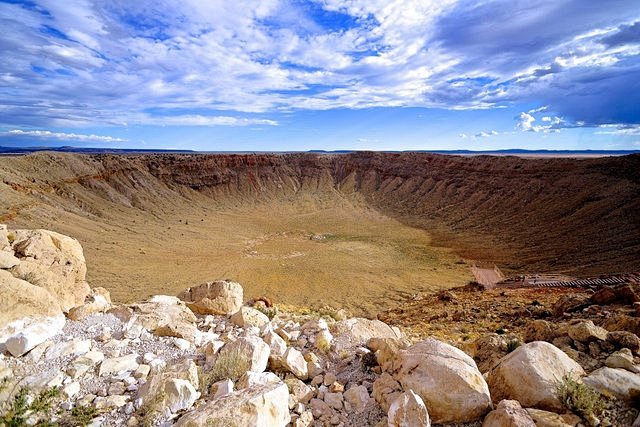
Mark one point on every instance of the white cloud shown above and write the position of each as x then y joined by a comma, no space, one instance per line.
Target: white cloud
46,134
198,120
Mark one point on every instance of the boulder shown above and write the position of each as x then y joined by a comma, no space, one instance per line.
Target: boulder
221,297
169,391
252,379
294,362
240,356
301,392
551,419
622,359
221,388
98,301
55,262
538,330
7,260
408,410
20,336
569,303
358,397
615,382
248,316
622,294
164,316
386,350
487,350
585,331
264,405
446,379
74,347
23,303
357,331
530,373
116,365
508,413
386,390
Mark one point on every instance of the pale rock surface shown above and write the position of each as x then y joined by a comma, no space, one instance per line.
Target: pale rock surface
294,362
165,316
221,388
304,420
508,413
110,402
334,400
622,359
247,353
301,392
538,330
358,397
75,347
585,331
116,365
386,350
248,316
408,410
169,391
252,379
98,301
446,379
58,263
265,405
221,297
8,260
617,382
551,419
530,373
84,363
357,331
20,336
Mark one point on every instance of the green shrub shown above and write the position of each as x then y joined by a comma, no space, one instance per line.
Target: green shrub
579,397
25,405
512,345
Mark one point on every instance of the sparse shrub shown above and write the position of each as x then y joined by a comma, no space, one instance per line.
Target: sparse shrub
82,415
230,364
513,344
25,406
11,236
579,397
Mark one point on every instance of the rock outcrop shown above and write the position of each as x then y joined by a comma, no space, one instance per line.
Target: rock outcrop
222,297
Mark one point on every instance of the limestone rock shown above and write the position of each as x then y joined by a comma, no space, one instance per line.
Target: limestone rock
110,402
538,330
508,413
446,379
221,297
252,379
242,355
170,391
622,294
617,382
300,391
7,260
487,350
529,375
248,316
551,419
115,365
622,359
294,362
585,332
98,301
386,350
334,400
73,347
408,410
165,316
357,331
20,336
221,388
22,304
569,303
84,363
358,397
386,390
265,405
56,261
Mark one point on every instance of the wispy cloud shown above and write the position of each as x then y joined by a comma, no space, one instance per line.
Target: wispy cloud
46,134
87,62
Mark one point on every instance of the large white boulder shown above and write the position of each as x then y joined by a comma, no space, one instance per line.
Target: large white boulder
7,260
242,355
221,297
248,316
408,410
264,405
22,335
530,373
613,381
164,316
447,380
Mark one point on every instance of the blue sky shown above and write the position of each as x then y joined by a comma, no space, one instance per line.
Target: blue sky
321,74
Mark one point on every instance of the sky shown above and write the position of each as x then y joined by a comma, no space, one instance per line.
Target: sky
288,75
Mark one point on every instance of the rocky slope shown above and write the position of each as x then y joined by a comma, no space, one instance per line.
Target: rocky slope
566,215
207,357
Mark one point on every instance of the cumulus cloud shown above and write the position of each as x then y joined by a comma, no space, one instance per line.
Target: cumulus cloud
86,62
63,136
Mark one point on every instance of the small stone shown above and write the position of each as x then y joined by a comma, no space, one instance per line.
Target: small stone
329,379
357,397
221,388
622,359
142,371
336,387
182,344
334,400
294,361
408,410
71,389
110,402
119,364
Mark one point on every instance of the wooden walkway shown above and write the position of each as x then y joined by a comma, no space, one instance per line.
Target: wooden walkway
577,283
